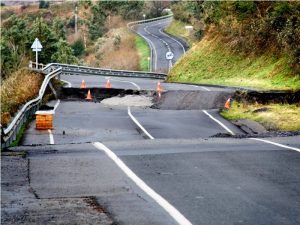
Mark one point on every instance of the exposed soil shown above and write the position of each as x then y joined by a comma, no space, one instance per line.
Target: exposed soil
185,100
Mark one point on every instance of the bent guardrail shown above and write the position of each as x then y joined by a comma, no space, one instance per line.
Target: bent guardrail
84,70
9,134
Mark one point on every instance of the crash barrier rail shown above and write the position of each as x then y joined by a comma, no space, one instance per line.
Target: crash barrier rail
84,70
33,65
9,134
130,27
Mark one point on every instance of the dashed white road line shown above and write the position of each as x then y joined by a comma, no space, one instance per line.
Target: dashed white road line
277,144
219,122
138,124
51,137
163,33
171,210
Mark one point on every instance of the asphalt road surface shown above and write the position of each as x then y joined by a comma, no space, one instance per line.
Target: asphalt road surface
161,43
124,164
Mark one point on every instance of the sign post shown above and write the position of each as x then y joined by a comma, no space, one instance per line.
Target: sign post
36,47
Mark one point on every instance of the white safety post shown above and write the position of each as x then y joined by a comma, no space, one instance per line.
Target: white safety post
36,47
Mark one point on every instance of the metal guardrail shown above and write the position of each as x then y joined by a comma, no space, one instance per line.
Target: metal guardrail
9,134
84,70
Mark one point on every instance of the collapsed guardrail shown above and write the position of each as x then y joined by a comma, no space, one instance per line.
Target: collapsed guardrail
9,134
84,70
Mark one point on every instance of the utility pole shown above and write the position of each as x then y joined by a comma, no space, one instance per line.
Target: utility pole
76,20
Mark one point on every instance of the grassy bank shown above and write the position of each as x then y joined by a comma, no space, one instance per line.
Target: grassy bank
273,117
212,62
16,90
143,52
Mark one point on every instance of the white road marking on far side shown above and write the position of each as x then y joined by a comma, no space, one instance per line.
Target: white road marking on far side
69,84
171,210
124,81
219,122
51,137
277,144
205,88
138,124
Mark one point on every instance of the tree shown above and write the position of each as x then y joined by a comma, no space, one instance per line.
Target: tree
97,21
58,27
47,38
64,53
43,4
78,47
14,43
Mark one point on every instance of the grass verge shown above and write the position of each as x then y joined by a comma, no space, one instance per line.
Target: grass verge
274,117
21,133
212,62
143,52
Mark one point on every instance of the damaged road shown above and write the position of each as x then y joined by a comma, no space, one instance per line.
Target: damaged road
208,180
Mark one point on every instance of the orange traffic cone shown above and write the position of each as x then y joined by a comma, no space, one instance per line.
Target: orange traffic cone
108,84
227,104
83,84
89,96
158,87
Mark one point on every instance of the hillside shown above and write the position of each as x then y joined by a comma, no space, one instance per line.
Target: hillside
213,62
249,44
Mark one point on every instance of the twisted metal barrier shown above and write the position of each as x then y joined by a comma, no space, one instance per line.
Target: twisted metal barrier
84,70
9,134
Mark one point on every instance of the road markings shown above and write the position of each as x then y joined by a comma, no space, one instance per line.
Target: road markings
171,210
56,105
277,144
68,83
163,33
151,46
51,137
219,122
205,88
49,131
124,81
138,124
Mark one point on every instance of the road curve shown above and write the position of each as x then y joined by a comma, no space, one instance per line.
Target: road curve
161,43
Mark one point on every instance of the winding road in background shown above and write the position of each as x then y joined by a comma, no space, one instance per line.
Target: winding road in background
151,166
161,43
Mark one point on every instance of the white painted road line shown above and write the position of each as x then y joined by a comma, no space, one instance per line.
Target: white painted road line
152,47
171,210
138,124
56,105
163,33
69,84
51,137
277,144
124,81
204,88
219,122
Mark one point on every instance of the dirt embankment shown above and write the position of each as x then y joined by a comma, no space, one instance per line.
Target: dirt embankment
267,97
